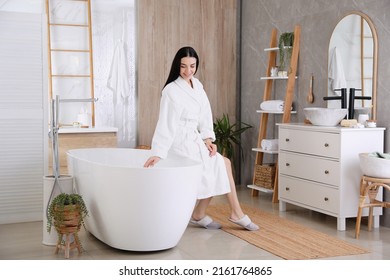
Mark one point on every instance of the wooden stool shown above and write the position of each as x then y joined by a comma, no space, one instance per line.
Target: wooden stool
369,187
68,232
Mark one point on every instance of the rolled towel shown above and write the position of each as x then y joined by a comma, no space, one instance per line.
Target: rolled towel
380,155
270,144
272,105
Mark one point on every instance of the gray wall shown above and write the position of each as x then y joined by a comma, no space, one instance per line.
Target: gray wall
317,20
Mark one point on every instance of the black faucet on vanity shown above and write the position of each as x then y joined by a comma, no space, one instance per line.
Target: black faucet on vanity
342,97
352,98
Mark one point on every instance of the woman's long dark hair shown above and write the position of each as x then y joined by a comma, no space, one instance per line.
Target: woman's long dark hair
175,68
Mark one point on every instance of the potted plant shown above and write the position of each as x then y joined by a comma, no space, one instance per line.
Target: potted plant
227,135
286,41
66,213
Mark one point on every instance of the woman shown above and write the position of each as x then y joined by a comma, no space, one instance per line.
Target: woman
185,128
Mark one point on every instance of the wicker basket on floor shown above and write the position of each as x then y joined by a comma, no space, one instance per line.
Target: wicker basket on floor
265,175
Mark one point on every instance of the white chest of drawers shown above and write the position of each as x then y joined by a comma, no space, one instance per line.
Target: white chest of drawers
319,168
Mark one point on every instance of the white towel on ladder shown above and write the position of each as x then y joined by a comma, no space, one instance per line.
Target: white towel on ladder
272,105
270,144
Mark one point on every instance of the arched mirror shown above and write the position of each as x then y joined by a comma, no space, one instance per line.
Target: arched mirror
352,62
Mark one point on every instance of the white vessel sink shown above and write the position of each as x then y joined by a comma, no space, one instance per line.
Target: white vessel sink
324,116
374,166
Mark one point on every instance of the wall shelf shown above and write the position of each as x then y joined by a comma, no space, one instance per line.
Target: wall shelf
264,151
271,49
261,189
275,48
273,112
276,78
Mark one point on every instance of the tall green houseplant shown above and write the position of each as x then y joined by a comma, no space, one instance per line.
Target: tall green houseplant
286,41
228,135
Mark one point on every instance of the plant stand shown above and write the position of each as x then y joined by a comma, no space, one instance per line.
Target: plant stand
68,244
68,227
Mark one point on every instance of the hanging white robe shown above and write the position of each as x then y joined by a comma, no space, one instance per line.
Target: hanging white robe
185,119
118,79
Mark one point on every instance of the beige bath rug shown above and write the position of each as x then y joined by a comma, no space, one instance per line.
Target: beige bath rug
282,237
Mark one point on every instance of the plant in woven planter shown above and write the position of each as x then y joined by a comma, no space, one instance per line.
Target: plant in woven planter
228,135
66,213
286,41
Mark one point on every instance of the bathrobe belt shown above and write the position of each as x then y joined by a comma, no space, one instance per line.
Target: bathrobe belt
192,125
189,123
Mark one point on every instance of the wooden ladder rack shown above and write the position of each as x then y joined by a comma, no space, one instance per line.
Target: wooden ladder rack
89,50
288,99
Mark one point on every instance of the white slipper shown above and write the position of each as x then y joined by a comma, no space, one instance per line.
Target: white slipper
246,223
206,222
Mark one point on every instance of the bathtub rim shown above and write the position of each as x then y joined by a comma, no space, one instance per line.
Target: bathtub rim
191,163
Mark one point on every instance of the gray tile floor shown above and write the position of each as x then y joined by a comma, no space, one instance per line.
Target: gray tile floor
23,241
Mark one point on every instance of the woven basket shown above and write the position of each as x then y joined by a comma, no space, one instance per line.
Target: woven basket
265,175
71,219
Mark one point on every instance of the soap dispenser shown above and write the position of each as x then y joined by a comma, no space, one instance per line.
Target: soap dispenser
84,118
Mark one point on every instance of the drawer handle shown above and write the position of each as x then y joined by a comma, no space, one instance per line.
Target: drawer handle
287,140
287,188
326,171
326,145
326,199
287,164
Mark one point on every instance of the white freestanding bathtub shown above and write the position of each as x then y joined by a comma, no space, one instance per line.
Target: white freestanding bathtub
131,207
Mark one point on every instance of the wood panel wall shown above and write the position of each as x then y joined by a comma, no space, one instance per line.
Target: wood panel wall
209,26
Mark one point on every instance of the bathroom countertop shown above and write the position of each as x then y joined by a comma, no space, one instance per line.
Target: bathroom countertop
326,128
87,130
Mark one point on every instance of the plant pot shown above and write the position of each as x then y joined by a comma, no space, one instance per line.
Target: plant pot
71,222
66,183
285,59
285,44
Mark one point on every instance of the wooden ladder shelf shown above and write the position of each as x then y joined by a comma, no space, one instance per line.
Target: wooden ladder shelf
288,99
53,30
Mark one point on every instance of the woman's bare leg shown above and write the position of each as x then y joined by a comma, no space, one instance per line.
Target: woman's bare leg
200,218
236,211
237,215
200,209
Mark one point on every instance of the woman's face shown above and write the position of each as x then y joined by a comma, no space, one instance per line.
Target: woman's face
187,68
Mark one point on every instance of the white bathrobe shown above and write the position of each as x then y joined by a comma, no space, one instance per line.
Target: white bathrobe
185,119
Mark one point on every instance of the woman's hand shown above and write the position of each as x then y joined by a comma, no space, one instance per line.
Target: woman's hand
152,161
211,147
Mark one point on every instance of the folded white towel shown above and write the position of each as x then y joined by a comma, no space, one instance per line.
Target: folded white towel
272,105
270,144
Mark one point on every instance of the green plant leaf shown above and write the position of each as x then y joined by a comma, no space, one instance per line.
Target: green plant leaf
55,211
227,135
285,39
